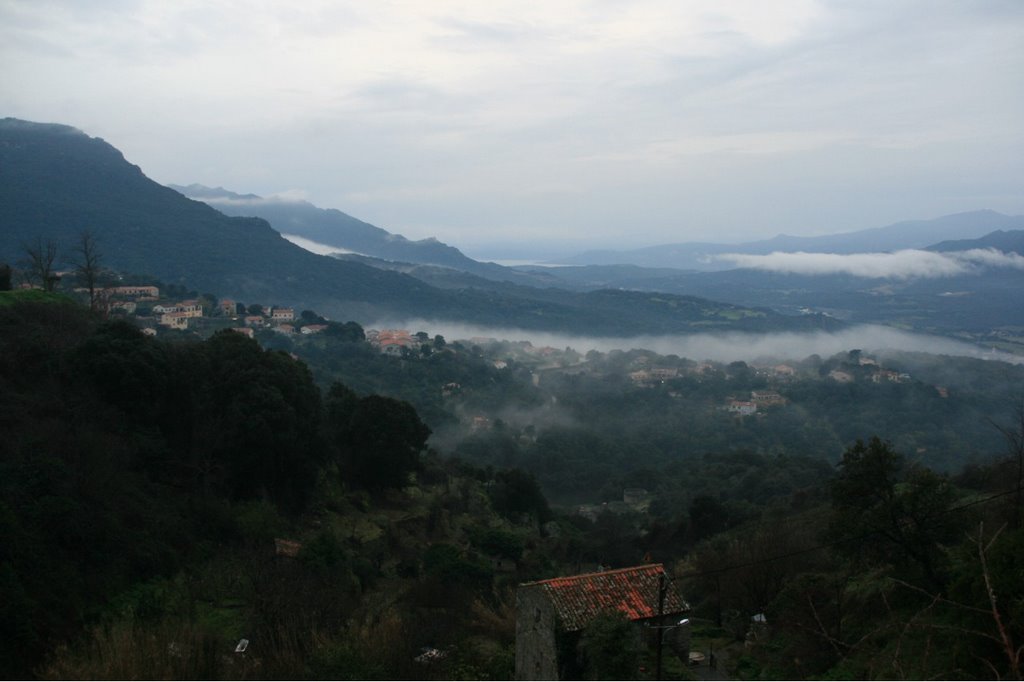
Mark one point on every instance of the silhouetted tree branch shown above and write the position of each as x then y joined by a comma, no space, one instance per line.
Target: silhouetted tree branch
87,264
41,256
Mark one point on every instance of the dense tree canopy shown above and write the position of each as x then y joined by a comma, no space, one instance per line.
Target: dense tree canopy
118,453
382,443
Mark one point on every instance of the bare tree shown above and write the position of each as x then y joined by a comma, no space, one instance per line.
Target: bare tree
41,256
87,264
1014,435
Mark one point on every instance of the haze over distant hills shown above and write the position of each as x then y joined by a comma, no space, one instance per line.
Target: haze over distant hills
914,234
56,181
968,286
330,227
333,228
899,289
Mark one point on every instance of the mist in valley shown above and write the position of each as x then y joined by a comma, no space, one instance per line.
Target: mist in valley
724,347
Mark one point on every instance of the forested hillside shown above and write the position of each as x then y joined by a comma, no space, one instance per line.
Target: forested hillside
163,500
579,421
143,484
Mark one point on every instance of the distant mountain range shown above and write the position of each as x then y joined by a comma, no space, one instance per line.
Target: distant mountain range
916,234
975,301
56,181
978,300
330,227
1007,241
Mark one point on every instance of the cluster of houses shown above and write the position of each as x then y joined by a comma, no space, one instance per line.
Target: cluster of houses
187,314
177,315
647,374
393,341
758,399
653,376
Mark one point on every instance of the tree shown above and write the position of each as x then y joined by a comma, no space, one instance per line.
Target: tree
255,309
311,317
516,493
381,443
87,264
347,331
708,516
611,648
1014,435
886,512
5,277
41,256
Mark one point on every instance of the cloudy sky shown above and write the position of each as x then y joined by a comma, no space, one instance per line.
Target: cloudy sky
553,125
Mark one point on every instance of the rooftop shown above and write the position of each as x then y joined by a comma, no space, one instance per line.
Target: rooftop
633,591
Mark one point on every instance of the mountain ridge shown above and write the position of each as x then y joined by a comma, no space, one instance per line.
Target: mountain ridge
56,181
334,228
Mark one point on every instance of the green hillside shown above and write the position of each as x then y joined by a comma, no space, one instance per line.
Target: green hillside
55,182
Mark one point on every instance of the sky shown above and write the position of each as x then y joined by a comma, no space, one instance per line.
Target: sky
519,129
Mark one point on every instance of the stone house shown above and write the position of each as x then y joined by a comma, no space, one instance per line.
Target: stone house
175,320
282,314
766,398
149,292
550,613
741,407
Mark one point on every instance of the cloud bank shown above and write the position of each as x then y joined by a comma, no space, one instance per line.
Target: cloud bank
905,264
314,247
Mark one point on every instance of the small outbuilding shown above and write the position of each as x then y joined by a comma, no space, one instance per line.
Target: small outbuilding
549,610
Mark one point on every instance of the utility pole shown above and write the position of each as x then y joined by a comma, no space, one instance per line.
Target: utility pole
662,588
718,599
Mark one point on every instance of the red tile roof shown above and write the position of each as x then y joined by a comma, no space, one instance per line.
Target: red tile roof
633,591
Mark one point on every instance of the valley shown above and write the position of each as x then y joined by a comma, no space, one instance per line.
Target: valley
236,458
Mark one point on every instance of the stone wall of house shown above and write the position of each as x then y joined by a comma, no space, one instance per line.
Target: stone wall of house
536,654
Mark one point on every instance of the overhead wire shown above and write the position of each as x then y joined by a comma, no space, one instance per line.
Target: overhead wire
833,543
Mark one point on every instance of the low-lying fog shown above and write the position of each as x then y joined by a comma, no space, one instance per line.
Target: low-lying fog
725,347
